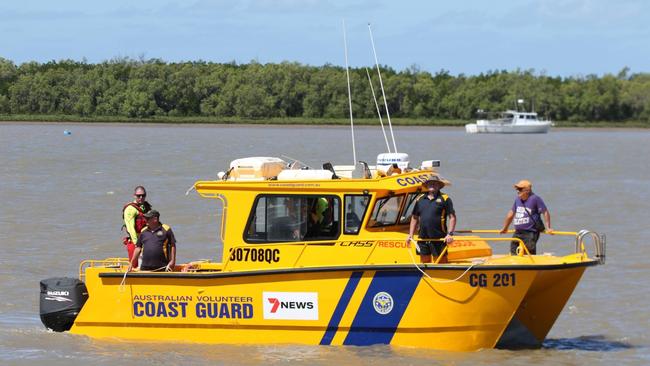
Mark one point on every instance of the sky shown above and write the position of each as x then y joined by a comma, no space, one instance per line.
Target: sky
552,37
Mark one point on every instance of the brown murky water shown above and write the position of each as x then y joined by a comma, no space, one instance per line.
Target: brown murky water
61,196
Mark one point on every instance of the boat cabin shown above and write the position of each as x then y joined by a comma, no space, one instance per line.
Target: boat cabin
314,217
516,117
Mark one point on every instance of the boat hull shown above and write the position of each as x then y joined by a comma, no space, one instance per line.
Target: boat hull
394,305
540,308
508,128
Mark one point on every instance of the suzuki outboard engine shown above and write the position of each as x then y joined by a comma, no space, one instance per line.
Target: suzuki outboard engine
61,300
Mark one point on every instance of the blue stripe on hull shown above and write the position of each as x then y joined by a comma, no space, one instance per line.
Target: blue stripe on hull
369,326
340,308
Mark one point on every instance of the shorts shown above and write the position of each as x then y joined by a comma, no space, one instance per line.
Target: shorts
430,247
528,237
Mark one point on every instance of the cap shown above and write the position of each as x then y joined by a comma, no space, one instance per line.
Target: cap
152,213
436,178
523,184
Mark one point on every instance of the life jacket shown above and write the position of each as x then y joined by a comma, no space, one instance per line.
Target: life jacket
140,220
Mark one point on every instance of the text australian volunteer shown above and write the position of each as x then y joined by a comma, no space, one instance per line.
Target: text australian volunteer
432,212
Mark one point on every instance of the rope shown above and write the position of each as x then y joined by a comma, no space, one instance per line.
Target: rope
121,288
474,264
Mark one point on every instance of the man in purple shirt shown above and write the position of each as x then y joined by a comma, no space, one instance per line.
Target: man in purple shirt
527,213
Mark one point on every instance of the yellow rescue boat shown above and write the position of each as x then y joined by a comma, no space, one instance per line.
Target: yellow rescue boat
318,257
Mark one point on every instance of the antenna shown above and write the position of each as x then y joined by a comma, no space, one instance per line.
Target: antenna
347,72
381,84
378,112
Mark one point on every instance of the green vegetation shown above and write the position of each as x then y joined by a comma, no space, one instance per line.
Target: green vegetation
125,90
227,120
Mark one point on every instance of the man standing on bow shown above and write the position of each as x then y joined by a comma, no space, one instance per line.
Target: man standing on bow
432,211
527,213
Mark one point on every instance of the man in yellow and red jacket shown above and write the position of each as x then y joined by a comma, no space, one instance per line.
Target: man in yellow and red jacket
134,220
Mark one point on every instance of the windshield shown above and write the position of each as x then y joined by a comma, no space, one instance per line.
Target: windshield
386,211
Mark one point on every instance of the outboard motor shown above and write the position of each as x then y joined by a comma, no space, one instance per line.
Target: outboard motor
61,300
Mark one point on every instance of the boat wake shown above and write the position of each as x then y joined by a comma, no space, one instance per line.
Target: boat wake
599,343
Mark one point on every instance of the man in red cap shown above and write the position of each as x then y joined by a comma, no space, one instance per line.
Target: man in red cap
527,213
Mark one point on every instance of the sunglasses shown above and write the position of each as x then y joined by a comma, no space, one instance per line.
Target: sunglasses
141,195
520,189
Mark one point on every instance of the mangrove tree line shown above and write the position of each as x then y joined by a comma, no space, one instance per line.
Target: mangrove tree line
150,88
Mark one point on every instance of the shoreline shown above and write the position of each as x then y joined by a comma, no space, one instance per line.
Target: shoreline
288,122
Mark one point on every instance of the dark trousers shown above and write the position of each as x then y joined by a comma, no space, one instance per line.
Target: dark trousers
528,237
434,248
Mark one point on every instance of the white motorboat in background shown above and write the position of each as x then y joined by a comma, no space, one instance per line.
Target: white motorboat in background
510,122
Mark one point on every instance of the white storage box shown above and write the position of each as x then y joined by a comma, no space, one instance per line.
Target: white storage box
386,160
256,168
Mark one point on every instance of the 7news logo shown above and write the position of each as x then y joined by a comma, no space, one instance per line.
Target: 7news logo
290,305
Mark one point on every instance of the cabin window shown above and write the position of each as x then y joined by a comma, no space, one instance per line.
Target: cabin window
405,218
355,210
281,218
386,211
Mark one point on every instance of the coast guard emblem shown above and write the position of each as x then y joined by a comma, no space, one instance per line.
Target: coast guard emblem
383,303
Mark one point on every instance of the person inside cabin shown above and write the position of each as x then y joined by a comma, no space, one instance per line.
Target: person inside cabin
527,213
289,227
133,217
318,217
435,216
352,220
157,244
